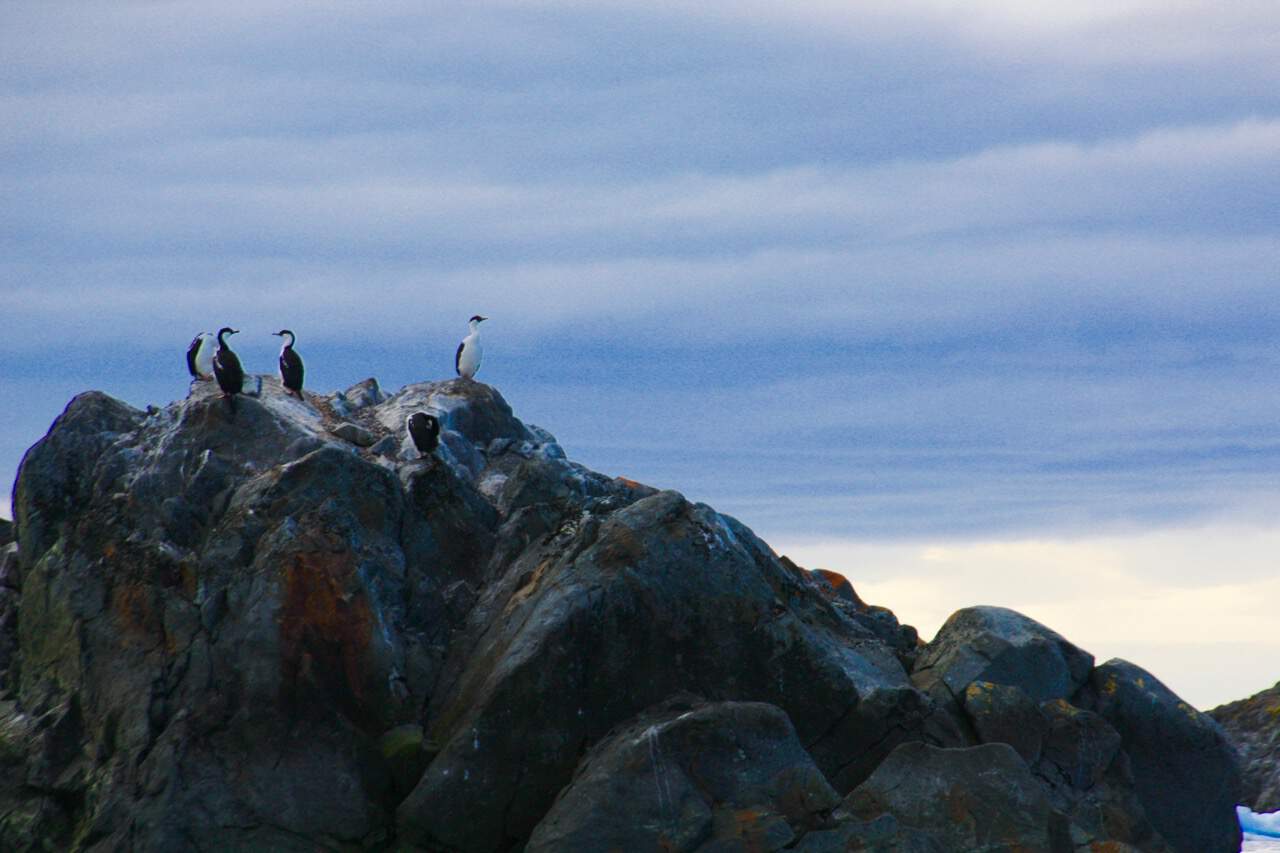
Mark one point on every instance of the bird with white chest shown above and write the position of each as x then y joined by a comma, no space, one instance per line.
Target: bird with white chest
200,356
290,364
467,359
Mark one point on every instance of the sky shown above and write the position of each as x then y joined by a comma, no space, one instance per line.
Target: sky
974,303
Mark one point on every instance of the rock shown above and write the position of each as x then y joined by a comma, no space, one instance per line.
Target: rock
232,629
234,626
978,798
6,532
363,394
1185,772
1000,646
1089,779
1003,713
353,433
546,666
1253,727
10,596
386,446
683,779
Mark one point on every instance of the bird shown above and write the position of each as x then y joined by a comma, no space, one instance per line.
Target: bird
424,429
290,365
467,360
200,356
226,367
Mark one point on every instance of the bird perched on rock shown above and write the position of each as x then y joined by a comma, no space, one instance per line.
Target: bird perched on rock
290,364
226,367
467,360
200,356
424,429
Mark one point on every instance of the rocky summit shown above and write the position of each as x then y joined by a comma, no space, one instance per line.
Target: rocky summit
282,629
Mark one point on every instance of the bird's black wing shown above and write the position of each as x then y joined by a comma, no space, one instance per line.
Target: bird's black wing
457,359
291,369
226,367
191,356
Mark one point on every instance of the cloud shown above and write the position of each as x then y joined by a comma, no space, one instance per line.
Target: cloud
1188,603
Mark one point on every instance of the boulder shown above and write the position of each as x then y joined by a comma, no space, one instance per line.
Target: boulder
1000,646
976,798
354,433
1185,772
687,778
1253,727
547,665
1003,713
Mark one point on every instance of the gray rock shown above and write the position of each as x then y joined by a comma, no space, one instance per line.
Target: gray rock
546,665
980,798
6,532
1002,713
1253,727
233,630
1000,646
353,433
387,446
363,394
1185,772
1089,778
719,774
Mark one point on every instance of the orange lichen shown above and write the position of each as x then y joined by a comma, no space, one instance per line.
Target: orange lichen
621,547
835,582
326,626
131,603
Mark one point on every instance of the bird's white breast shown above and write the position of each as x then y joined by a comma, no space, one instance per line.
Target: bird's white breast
469,361
204,356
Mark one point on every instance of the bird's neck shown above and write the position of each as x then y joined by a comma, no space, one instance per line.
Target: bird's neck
221,342
475,328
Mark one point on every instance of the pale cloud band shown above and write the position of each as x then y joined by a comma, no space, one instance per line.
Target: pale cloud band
1195,605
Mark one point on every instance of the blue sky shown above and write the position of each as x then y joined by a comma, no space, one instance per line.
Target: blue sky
885,280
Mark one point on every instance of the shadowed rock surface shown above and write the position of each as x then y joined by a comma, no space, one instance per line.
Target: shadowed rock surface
279,628
724,774
1253,727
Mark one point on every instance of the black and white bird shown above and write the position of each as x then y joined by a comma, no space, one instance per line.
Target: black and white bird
226,367
424,429
200,356
467,360
290,364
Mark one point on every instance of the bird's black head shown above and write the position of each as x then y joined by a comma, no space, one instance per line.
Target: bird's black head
283,332
476,318
226,330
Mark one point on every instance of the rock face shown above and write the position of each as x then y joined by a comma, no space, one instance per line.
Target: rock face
280,628
1253,727
721,774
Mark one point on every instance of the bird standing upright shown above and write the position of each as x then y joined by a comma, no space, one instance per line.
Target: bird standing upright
290,364
467,359
200,356
227,369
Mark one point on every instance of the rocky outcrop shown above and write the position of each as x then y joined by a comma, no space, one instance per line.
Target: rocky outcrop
981,798
280,628
731,774
1253,727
